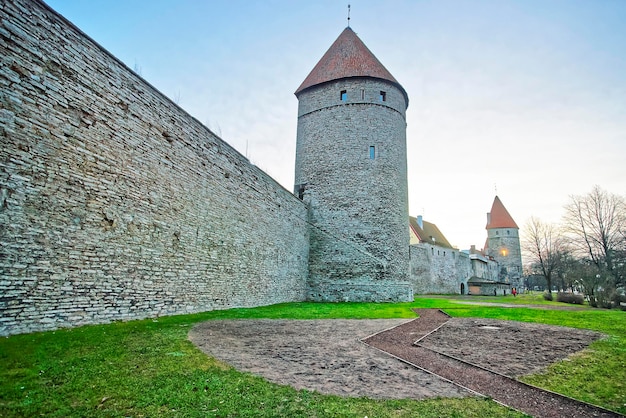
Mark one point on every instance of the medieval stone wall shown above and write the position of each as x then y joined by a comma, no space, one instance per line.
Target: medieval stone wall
464,271
116,204
438,270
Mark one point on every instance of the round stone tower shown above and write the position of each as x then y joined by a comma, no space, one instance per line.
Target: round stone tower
503,244
351,171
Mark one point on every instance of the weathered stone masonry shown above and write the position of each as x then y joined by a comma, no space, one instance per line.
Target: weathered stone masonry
359,199
115,203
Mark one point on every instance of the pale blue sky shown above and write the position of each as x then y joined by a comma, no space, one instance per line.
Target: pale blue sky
527,95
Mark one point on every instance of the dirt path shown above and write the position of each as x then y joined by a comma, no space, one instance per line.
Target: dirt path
492,359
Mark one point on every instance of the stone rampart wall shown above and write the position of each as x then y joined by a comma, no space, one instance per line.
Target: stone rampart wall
464,271
116,204
437,270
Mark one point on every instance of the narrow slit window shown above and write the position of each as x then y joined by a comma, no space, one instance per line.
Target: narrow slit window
300,190
383,96
362,94
372,152
343,95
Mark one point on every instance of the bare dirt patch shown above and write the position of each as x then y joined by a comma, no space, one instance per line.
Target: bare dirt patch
322,355
507,347
327,355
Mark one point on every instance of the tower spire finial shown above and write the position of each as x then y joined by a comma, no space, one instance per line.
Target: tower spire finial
348,14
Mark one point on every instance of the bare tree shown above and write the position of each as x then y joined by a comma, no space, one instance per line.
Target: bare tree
568,271
595,224
544,248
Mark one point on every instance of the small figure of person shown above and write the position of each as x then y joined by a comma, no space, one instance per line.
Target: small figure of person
514,291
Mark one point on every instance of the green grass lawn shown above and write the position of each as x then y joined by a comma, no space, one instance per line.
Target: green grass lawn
532,298
148,368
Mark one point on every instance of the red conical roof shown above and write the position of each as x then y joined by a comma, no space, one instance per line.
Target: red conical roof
499,217
348,57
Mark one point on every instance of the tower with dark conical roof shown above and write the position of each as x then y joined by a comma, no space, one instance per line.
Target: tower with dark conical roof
351,171
503,243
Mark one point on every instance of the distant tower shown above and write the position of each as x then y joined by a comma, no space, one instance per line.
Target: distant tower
351,170
503,243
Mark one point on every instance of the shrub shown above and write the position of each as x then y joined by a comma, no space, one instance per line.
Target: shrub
605,297
547,295
568,297
619,301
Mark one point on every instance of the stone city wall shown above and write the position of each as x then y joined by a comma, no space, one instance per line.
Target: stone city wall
437,270
115,204
464,271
